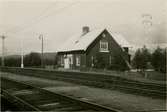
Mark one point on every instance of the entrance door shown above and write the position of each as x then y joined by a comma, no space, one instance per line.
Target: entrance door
66,63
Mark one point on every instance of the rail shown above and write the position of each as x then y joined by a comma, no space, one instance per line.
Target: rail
85,105
96,80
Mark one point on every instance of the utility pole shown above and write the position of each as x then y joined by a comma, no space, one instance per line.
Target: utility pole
22,54
3,50
41,38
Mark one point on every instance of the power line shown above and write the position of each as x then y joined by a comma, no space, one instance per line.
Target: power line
31,20
44,17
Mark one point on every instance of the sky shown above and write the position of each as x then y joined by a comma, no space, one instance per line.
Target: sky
141,22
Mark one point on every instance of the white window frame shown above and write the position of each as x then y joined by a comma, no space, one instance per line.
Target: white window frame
92,63
70,56
78,61
102,49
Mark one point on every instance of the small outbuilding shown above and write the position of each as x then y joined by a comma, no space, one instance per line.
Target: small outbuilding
92,49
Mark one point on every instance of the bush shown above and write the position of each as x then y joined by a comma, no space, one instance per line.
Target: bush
118,63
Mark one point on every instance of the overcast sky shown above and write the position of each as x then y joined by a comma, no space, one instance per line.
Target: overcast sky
139,21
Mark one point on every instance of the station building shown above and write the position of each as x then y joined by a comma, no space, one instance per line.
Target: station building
81,49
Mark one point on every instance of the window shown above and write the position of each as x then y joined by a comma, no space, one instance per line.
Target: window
62,61
103,46
92,60
77,60
70,56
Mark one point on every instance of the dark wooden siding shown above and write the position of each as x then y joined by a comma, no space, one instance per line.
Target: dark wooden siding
114,49
59,57
82,60
94,49
75,54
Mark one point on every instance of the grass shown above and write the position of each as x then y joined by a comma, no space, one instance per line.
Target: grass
153,75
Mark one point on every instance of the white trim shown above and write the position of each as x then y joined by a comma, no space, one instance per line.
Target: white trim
102,49
70,56
78,61
92,58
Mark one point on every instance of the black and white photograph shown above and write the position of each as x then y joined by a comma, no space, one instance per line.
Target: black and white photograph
83,55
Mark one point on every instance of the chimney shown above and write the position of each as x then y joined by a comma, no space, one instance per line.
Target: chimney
85,30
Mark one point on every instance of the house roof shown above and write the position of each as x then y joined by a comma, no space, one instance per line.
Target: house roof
120,39
82,42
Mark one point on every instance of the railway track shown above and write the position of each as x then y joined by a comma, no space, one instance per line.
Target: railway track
101,81
31,98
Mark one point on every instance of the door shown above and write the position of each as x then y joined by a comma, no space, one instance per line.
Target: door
66,63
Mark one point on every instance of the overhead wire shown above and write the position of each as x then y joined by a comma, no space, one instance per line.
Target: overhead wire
31,20
40,18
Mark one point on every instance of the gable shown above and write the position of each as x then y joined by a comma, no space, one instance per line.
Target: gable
81,42
112,44
95,45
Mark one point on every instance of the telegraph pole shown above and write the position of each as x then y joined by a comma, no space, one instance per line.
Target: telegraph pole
41,38
22,54
3,50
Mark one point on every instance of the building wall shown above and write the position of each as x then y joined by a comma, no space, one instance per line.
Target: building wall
114,50
94,50
59,60
74,55
82,60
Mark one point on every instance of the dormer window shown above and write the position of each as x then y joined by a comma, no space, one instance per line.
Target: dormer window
103,46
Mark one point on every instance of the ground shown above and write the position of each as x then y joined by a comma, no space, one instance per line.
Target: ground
152,76
111,98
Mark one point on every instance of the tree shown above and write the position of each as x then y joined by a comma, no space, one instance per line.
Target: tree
141,59
119,63
146,57
137,59
99,61
159,60
13,62
32,59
